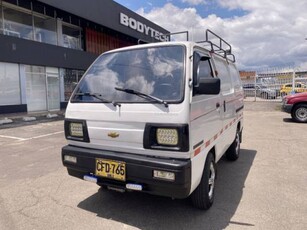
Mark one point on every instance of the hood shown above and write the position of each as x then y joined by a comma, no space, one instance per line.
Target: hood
297,95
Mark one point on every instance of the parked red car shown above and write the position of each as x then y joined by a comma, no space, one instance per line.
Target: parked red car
296,105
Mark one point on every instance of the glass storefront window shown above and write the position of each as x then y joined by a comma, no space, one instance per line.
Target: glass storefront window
17,24
45,30
71,37
35,69
21,23
71,78
1,21
9,84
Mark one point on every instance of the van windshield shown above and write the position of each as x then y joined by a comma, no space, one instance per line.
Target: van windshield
155,71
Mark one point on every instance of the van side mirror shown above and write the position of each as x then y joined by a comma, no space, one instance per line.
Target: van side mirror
209,86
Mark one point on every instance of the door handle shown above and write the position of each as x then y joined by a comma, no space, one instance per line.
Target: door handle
224,106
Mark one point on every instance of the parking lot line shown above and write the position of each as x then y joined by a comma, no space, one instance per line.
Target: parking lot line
16,138
45,135
30,138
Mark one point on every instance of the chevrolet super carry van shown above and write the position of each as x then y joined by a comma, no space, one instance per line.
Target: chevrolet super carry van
156,118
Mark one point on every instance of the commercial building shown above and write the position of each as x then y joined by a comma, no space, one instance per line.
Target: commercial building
46,45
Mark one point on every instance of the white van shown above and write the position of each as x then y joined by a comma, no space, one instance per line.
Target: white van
156,118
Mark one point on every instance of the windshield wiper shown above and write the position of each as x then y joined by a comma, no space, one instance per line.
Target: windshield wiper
143,95
99,97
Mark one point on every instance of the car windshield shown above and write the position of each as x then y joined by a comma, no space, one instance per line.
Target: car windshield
156,72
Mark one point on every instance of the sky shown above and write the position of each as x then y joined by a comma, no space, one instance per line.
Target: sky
264,34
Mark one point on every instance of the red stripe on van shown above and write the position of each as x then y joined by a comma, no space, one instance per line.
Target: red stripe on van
207,143
196,152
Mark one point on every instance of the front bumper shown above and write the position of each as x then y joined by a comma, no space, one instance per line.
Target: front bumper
286,108
139,170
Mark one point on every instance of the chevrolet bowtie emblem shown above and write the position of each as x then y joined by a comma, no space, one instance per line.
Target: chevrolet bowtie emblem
113,135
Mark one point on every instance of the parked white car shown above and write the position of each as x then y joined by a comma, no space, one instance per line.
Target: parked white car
260,90
156,118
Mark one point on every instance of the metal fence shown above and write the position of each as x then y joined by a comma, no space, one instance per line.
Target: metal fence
274,86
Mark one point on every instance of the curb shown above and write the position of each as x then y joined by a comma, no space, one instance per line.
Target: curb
16,120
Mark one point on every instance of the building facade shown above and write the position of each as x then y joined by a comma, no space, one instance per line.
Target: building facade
46,45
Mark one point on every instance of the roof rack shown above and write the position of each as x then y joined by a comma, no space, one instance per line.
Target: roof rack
168,35
219,47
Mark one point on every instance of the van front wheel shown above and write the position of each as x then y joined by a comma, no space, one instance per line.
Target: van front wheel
233,151
203,195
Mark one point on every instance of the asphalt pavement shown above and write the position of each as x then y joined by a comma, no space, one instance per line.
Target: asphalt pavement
264,189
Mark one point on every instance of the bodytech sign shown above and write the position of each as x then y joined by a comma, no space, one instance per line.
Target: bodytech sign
140,27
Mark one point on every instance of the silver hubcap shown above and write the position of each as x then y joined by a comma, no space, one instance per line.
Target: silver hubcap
301,114
211,180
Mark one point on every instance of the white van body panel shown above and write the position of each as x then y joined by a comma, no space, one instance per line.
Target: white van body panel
213,120
212,125
129,120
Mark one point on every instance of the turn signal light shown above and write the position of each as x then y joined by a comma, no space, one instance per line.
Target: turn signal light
164,175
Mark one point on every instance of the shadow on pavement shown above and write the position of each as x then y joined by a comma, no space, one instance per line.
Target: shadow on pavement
152,212
288,120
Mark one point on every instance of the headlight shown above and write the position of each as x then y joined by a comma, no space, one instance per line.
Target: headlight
76,130
171,137
167,136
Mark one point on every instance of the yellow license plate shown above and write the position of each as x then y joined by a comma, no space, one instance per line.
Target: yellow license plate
111,169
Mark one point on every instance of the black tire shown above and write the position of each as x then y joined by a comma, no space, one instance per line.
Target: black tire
203,195
104,187
299,113
233,152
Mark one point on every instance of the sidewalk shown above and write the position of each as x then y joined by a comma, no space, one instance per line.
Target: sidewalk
18,119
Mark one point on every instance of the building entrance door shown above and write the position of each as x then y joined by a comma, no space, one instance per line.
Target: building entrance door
43,89
53,89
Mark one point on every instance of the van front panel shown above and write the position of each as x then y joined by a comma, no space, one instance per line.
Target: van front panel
122,128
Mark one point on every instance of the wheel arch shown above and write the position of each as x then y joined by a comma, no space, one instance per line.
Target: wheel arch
240,129
212,151
198,166
299,103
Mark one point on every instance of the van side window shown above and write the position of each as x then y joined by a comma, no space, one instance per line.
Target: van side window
224,75
205,70
234,76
